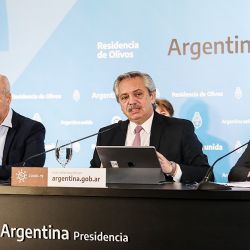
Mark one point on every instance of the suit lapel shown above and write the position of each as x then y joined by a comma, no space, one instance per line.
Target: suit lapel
9,138
121,139
156,131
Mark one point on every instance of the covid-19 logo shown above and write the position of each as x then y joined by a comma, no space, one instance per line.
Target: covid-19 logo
21,175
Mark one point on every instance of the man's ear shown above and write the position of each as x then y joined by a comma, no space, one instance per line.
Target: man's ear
152,96
9,97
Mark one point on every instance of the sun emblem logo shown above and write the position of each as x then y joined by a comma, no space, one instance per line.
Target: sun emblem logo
21,176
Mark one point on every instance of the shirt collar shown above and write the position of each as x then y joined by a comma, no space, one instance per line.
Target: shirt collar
7,121
146,125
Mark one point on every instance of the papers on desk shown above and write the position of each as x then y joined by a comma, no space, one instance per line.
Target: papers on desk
245,184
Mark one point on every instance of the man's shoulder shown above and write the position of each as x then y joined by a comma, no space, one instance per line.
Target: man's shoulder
181,121
173,121
21,120
115,126
107,127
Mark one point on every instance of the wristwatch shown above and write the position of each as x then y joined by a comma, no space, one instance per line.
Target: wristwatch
174,167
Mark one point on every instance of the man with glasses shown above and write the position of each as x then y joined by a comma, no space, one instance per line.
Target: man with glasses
178,148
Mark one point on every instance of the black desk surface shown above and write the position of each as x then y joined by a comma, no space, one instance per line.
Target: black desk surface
167,190
155,217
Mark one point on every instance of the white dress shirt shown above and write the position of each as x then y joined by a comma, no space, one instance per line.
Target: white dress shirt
145,140
4,127
145,132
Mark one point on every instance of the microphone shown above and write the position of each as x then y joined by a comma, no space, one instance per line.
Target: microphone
23,163
205,184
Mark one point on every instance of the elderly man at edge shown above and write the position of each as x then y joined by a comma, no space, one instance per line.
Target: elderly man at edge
20,137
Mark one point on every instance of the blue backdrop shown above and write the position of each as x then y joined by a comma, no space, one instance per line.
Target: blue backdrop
62,57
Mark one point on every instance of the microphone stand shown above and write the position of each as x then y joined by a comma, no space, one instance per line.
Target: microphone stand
205,184
81,139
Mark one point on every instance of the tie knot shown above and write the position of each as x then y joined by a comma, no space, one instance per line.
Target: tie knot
138,129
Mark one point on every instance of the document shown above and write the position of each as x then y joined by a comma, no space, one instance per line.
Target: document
243,184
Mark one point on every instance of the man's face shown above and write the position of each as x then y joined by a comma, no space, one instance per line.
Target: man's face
135,99
5,99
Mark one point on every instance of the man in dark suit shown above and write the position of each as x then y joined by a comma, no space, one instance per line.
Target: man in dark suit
179,150
20,137
241,170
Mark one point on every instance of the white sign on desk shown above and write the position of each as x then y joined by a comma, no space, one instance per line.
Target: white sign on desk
76,177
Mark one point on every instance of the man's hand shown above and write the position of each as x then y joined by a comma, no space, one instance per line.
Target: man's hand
166,166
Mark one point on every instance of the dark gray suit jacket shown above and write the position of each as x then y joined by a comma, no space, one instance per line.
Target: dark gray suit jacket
240,171
172,137
24,139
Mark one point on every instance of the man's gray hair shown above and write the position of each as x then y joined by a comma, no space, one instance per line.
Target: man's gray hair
148,81
5,82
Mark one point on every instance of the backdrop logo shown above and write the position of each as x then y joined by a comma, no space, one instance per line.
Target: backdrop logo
238,93
76,95
76,147
115,119
37,117
238,144
3,26
197,120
